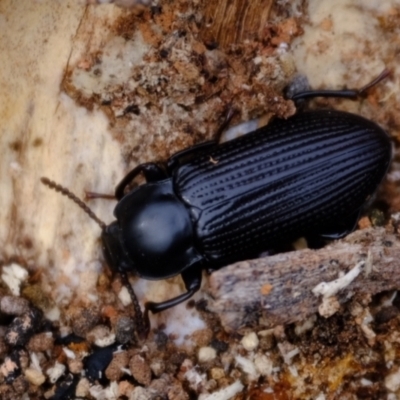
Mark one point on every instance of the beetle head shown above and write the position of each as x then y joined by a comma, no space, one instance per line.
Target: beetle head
153,234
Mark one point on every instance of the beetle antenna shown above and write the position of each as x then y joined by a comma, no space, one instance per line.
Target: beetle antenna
65,192
142,324
383,75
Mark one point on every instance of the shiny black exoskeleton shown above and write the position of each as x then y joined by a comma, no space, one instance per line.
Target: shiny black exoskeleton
215,204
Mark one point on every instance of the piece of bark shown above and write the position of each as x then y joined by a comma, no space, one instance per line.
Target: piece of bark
283,288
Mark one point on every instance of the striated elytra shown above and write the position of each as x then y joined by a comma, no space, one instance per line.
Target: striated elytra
214,204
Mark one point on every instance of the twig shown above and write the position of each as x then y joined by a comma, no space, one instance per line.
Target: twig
282,289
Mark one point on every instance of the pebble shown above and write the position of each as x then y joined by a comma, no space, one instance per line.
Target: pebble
217,373
161,385
263,364
98,361
75,366
140,370
101,336
250,341
114,371
202,337
161,340
20,385
158,367
140,393
392,381
124,330
13,305
69,353
13,275
23,358
23,327
10,368
34,376
247,366
84,320
41,342
82,388
7,392
55,372
226,393
65,388
176,392
305,325
219,345
125,388
206,354
267,339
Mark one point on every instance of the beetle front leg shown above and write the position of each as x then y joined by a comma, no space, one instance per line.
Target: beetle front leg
151,171
192,279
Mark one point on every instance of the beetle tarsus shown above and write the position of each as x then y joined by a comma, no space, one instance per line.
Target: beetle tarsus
343,228
229,114
192,281
352,94
383,75
155,308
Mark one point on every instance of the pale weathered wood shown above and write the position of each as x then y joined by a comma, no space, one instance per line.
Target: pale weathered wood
277,290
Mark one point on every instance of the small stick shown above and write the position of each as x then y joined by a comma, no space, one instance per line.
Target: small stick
284,288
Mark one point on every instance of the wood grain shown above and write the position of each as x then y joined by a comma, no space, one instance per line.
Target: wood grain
231,22
278,289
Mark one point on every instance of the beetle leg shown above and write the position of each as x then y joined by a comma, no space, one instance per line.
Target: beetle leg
229,114
352,94
175,160
347,226
151,171
192,279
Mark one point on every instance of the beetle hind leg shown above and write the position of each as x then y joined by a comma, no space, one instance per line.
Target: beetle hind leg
342,229
352,94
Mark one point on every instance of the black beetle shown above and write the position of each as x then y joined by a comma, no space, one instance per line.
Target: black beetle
214,204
